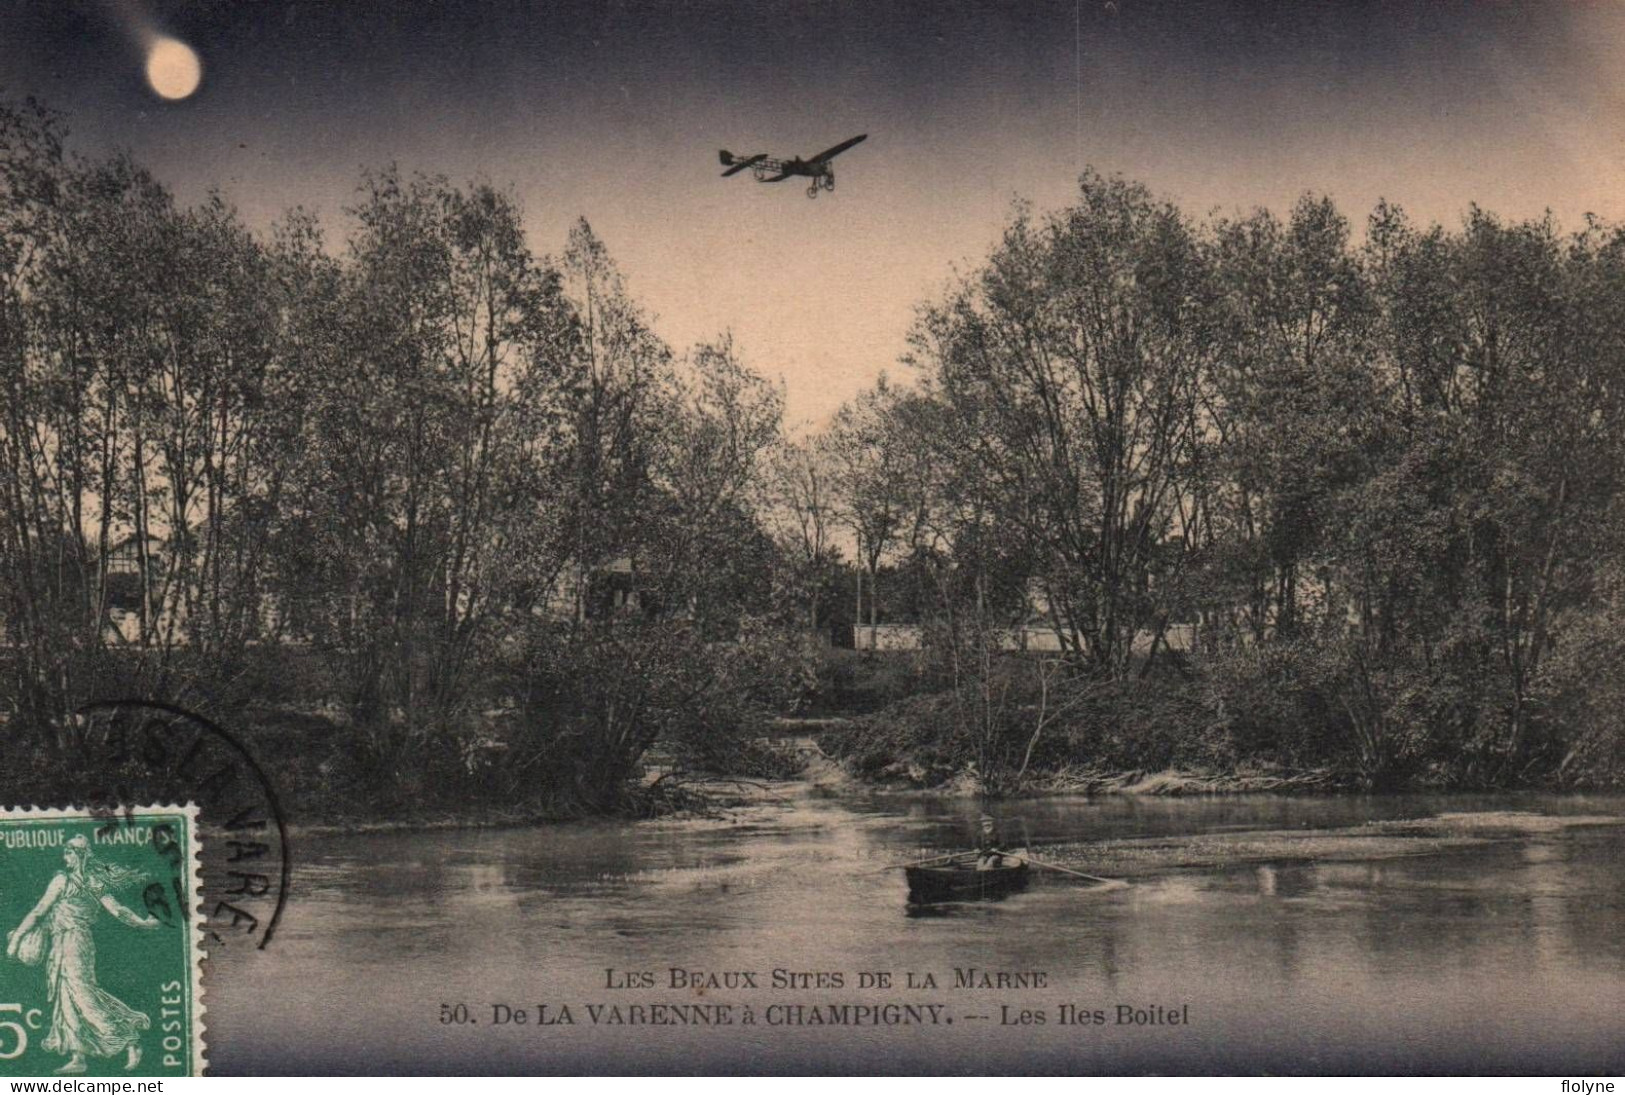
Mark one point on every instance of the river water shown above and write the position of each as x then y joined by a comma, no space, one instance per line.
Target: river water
1294,934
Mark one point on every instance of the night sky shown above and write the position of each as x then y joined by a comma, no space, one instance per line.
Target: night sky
615,111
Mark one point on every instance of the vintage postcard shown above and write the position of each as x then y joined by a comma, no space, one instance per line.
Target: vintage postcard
760,537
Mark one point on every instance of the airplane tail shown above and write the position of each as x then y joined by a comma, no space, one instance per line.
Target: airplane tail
726,157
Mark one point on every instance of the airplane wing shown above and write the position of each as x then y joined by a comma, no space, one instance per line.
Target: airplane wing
831,153
740,164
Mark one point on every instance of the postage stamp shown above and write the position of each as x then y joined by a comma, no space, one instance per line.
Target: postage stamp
103,939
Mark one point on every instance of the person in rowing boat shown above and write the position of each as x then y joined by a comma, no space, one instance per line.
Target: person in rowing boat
988,855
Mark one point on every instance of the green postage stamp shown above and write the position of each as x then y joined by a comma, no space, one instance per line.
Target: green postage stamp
103,936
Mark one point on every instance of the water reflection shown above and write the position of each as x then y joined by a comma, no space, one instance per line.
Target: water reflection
1305,934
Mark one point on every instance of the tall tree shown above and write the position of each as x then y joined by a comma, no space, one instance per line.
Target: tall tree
1071,364
420,457
867,453
1285,406
801,511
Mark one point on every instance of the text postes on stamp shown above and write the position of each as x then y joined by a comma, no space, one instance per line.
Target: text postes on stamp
103,937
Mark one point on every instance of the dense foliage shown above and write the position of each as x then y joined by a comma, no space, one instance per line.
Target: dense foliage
1373,486
455,498
447,519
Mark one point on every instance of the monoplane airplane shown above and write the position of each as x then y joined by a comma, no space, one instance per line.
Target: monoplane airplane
768,170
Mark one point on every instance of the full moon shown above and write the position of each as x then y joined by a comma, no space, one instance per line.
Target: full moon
173,68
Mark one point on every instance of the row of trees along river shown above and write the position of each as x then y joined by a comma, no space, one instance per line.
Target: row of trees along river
436,519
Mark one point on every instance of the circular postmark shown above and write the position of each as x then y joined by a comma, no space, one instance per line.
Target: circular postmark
138,751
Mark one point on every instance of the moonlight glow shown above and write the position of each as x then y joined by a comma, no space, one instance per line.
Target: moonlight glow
173,68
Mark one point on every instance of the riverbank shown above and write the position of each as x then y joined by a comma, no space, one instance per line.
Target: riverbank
1021,735
1068,781
1073,781
703,797
326,780
901,754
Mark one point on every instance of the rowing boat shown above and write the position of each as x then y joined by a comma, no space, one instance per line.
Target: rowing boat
961,878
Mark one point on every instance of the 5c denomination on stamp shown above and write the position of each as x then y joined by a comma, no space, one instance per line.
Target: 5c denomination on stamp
103,936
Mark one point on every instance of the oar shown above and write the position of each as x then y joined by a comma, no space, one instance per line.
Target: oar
919,862
1063,870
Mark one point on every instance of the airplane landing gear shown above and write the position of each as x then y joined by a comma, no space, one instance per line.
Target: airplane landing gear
812,191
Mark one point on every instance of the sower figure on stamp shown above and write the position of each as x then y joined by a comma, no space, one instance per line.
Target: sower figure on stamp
85,1018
